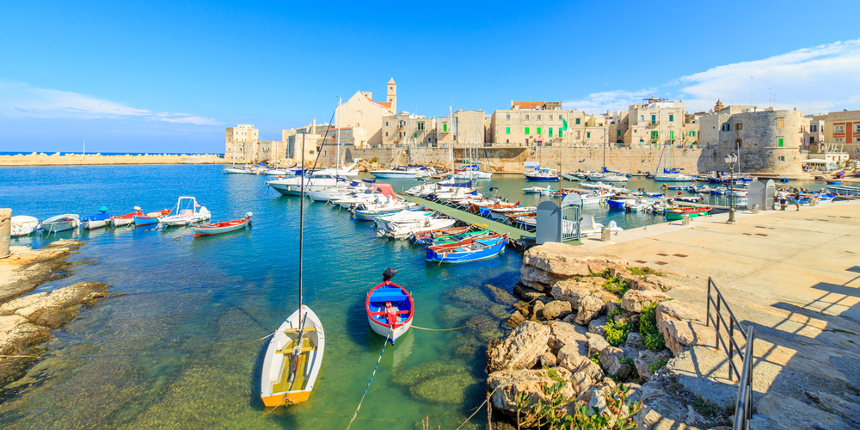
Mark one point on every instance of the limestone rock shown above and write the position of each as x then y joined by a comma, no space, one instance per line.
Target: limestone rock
611,360
679,311
598,326
636,300
537,309
585,372
20,335
555,309
634,341
682,334
648,360
499,295
794,414
507,384
526,293
521,349
575,291
589,308
547,359
516,319
549,263
596,344
693,417
565,334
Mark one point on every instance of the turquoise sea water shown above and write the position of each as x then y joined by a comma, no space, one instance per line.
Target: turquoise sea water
180,351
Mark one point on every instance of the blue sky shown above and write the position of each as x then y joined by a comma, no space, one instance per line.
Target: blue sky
162,76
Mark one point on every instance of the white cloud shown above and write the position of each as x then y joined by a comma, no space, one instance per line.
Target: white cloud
20,100
609,100
817,79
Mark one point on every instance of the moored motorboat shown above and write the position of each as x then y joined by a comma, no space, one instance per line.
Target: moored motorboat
542,175
389,308
60,223
98,220
427,237
125,219
186,212
222,227
23,225
673,214
150,218
468,250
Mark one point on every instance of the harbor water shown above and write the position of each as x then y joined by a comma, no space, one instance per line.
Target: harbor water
185,348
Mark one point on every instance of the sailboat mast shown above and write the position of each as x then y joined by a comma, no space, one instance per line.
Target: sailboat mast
301,232
451,133
337,130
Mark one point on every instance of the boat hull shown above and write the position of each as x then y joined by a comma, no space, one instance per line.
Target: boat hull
541,178
61,223
23,225
466,255
378,299
274,385
394,175
91,224
203,230
144,220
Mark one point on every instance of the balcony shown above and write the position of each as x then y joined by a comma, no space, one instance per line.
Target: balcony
653,123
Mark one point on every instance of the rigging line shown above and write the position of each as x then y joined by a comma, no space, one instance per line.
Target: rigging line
479,407
387,337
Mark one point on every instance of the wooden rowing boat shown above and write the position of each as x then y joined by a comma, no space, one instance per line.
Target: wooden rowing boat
222,227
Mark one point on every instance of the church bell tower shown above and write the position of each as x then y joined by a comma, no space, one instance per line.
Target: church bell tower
392,95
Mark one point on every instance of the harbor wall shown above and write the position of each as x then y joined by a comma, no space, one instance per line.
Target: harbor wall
511,159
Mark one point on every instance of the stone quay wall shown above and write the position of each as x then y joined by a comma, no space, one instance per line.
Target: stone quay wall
511,158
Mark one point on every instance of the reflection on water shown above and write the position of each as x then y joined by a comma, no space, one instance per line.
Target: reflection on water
180,350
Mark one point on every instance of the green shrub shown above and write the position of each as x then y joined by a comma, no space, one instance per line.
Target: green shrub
644,270
654,366
616,333
548,413
594,357
651,336
374,160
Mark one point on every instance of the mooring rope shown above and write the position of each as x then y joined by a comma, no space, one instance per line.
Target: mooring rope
437,329
371,378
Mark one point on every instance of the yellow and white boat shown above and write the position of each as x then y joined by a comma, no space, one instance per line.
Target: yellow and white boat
293,359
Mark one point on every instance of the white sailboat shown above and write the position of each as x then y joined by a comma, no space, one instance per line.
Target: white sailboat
295,353
233,169
275,171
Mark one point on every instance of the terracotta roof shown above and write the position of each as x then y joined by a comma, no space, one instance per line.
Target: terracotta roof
385,105
528,105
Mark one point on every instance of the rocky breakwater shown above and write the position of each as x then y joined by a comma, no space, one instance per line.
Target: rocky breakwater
26,321
592,331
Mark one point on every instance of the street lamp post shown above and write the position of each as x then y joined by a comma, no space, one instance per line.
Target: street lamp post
731,159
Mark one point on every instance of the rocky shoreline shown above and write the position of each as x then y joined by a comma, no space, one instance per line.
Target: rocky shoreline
26,320
589,323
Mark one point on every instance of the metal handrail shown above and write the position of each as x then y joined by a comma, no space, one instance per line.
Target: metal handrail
743,407
731,344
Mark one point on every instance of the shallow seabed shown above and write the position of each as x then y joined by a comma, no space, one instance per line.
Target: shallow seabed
182,350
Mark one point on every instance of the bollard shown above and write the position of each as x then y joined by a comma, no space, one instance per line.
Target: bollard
607,234
685,219
5,231
756,209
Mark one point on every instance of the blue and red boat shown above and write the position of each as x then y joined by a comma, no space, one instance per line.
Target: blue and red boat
390,308
468,250
150,218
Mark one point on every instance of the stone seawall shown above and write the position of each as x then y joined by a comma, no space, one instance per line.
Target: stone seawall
511,159
98,159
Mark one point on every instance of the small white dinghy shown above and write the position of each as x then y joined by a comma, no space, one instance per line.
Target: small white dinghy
60,223
23,225
293,360
389,308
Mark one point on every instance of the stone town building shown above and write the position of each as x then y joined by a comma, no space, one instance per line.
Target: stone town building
532,122
467,126
814,138
361,111
655,122
241,142
405,128
769,142
843,130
